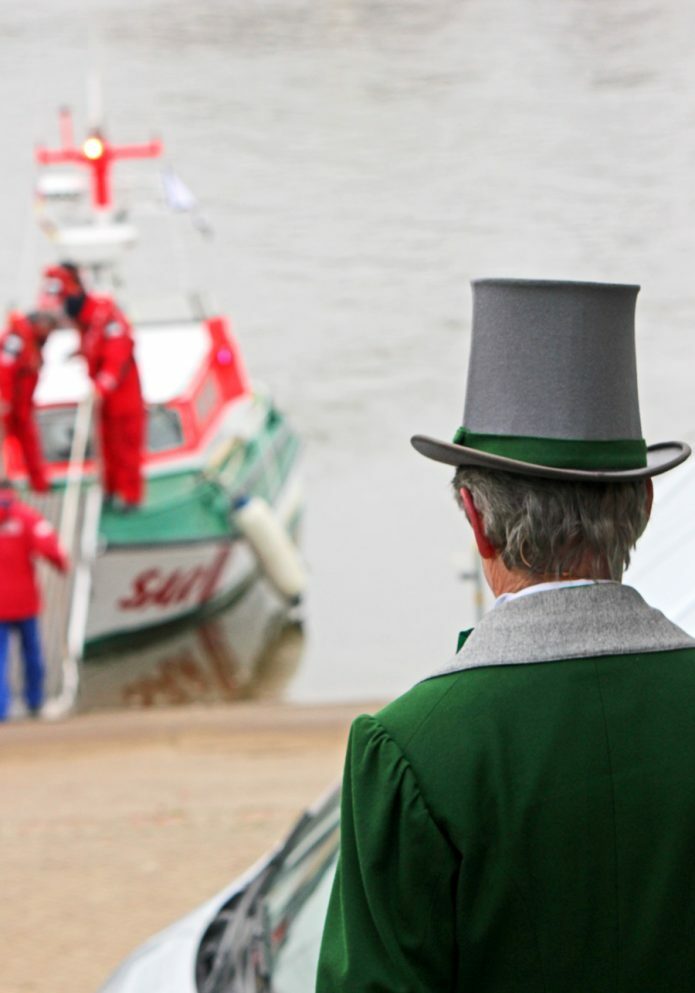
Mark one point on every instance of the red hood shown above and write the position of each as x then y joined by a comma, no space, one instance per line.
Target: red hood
59,282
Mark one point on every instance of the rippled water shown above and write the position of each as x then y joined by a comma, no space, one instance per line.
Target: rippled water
361,162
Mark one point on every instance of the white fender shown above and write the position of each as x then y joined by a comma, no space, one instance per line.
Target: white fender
276,552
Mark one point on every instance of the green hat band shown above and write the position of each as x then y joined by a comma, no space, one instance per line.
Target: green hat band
559,453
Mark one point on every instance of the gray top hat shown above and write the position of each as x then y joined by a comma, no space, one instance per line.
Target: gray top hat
552,385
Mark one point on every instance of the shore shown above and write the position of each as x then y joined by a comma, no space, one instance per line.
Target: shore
114,825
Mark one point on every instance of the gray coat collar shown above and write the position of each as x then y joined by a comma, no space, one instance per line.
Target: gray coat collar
570,623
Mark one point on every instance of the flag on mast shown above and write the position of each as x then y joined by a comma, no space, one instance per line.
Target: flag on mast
181,199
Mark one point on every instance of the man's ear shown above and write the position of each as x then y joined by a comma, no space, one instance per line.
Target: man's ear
485,547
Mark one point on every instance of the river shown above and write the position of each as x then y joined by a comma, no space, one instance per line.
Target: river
361,161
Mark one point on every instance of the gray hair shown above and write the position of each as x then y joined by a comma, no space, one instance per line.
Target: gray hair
553,528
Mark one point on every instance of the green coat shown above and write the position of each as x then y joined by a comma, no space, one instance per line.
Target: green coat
525,821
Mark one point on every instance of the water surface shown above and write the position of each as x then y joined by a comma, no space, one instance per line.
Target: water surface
360,163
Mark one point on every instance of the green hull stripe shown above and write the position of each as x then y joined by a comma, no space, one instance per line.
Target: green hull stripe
558,452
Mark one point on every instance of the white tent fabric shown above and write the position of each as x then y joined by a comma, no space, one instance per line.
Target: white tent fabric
663,565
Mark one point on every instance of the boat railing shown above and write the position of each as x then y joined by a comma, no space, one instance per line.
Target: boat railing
263,468
238,466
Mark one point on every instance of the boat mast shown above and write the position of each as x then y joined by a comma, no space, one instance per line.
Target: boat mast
97,155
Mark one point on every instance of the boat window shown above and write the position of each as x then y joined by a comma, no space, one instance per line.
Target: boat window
56,426
207,399
164,429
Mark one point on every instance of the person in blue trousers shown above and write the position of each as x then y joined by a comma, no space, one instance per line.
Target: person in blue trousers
25,536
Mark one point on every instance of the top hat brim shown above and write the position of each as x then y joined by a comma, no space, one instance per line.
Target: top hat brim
660,458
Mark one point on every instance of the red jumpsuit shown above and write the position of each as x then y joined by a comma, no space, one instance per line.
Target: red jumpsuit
20,361
109,349
24,537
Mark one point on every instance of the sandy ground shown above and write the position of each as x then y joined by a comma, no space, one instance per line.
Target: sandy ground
115,825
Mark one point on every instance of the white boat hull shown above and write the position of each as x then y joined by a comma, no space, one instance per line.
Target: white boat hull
136,588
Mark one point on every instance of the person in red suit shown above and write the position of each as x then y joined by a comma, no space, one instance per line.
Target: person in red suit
20,362
24,536
109,350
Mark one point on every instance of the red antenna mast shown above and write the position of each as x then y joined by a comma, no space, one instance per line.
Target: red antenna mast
97,154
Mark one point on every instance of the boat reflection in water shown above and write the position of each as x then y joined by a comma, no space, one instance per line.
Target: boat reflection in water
249,650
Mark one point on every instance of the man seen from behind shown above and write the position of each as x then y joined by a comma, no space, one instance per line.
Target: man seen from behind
524,819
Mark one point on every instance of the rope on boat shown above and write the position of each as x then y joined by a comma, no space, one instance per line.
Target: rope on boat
79,522
73,479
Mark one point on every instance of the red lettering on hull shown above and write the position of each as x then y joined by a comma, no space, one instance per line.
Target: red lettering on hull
160,588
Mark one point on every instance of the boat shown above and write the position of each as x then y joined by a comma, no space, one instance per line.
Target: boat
224,495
